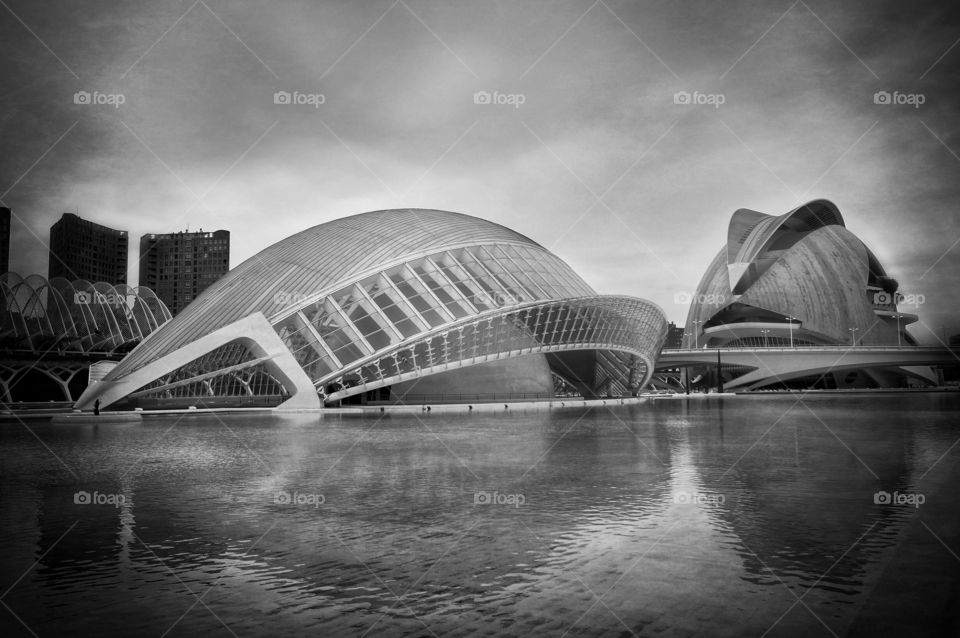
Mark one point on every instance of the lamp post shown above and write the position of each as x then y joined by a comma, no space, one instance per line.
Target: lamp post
790,321
853,336
898,330
696,334
719,374
765,331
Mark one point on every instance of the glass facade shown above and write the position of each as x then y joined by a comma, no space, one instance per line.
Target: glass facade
615,327
383,310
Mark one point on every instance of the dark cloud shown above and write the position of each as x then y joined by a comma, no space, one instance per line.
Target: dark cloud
598,163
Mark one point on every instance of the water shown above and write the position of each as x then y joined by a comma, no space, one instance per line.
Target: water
708,517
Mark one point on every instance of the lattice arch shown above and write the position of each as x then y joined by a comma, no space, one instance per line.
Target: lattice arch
75,317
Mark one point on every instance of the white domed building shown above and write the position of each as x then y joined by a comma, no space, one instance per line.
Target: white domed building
405,305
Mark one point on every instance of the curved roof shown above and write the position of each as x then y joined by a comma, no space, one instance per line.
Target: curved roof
320,258
803,264
751,233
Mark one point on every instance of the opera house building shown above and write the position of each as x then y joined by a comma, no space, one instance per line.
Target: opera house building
392,306
799,279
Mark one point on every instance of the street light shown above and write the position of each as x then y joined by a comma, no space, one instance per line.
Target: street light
764,331
696,334
898,329
790,321
853,336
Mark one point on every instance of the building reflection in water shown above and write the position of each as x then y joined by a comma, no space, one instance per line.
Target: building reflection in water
667,510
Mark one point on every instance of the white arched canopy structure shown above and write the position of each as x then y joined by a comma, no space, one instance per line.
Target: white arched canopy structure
78,317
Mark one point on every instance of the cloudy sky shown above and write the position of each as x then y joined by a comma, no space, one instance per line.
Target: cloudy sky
582,146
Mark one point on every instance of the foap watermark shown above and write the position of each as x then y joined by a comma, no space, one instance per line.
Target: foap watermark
285,298
500,99
685,98
698,498
683,298
284,497
99,99
906,498
299,99
498,299
85,298
896,298
899,99
496,498
84,497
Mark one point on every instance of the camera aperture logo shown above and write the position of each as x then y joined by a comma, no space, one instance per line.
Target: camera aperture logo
890,299
516,100
284,497
299,99
86,98
496,498
906,498
899,99
685,98
84,497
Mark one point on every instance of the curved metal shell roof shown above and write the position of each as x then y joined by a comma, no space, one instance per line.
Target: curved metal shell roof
751,233
822,281
321,257
819,274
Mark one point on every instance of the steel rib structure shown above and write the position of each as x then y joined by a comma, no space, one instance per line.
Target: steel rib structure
75,316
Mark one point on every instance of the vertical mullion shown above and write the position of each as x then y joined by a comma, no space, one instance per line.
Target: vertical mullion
509,274
323,344
348,325
442,309
401,300
452,289
378,315
469,278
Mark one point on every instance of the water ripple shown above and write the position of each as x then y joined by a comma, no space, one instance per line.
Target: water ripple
656,519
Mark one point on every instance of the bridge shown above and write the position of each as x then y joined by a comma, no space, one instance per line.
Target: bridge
782,364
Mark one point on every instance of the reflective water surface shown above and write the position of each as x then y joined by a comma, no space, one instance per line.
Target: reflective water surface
733,516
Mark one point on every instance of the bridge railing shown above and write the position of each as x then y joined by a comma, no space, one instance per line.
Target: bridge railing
481,397
824,348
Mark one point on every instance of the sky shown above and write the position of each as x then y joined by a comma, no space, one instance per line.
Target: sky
620,135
